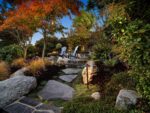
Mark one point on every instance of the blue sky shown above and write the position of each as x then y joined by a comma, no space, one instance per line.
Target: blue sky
65,21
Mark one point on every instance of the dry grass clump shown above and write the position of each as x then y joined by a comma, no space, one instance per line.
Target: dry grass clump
4,70
35,66
48,62
19,63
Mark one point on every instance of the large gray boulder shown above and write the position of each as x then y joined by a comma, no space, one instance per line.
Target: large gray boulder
20,72
126,98
56,90
15,87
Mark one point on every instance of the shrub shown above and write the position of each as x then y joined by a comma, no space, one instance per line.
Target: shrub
8,53
102,48
110,62
88,105
32,51
4,70
142,75
58,46
119,81
132,39
19,63
48,62
100,51
35,66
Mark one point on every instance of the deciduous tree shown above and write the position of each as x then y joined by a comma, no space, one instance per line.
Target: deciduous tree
83,25
30,15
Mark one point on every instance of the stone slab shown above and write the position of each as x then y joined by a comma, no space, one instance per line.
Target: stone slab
48,107
50,111
18,108
29,101
56,90
71,71
68,78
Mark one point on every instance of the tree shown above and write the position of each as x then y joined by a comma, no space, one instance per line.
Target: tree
49,23
19,24
63,41
7,39
83,25
50,42
72,40
29,16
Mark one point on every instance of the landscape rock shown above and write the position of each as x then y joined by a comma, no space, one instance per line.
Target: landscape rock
70,71
29,101
44,107
62,60
126,98
92,71
43,111
96,95
52,59
56,90
20,72
18,108
68,78
14,88
29,105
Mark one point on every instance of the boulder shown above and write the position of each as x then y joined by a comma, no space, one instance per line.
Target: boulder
91,70
62,60
56,90
96,95
126,98
20,72
70,71
68,78
15,87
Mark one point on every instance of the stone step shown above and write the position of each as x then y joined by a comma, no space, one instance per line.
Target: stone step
56,90
69,71
68,78
19,108
28,105
29,101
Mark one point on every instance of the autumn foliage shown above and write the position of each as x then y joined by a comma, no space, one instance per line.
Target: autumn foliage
29,14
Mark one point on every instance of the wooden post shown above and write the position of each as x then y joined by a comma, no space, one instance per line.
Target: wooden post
87,75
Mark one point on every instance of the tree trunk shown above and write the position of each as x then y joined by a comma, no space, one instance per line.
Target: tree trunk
25,52
44,46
